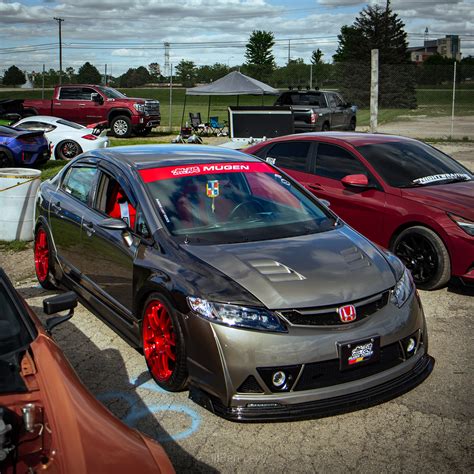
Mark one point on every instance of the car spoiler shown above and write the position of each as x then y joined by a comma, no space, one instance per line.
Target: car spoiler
6,131
98,127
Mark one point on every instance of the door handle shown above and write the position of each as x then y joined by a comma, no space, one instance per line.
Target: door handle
56,205
82,105
314,186
89,227
57,103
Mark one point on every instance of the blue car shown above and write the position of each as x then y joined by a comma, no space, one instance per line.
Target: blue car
22,147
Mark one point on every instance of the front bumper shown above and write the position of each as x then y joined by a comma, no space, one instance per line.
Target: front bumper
320,408
145,121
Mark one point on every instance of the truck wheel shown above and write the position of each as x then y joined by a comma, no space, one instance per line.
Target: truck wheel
121,126
67,150
143,132
6,158
325,127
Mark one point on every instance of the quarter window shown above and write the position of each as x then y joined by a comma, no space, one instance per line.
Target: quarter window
79,181
334,162
76,93
290,155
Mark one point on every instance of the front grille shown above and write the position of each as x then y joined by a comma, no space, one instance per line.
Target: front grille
250,385
327,373
328,316
152,107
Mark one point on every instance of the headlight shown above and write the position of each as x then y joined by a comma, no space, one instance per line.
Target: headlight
139,107
236,316
465,224
402,290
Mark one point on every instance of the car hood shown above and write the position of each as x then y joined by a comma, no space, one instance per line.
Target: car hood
454,197
322,269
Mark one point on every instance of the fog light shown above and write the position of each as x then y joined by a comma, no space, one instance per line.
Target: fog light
411,344
279,379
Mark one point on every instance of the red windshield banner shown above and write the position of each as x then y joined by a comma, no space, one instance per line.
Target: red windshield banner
171,172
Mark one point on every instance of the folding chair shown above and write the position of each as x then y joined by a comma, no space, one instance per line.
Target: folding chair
216,127
196,123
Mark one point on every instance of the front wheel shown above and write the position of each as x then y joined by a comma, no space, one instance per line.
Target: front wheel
67,150
121,126
6,158
43,259
425,255
163,344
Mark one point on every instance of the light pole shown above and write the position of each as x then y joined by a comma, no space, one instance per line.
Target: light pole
60,20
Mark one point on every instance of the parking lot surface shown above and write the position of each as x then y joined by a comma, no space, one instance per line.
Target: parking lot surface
429,429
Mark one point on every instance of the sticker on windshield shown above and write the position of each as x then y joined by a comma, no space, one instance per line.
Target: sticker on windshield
270,160
212,188
441,177
165,217
173,172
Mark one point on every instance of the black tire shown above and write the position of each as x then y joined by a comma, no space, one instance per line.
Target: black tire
143,132
325,127
6,158
352,124
121,126
179,377
46,280
67,150
423,252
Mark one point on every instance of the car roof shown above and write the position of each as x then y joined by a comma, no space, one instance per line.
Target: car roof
352,138
153,156
41,118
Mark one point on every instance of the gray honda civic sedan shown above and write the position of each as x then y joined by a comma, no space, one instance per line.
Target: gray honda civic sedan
232,280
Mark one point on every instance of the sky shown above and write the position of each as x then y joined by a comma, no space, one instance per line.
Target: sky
130,33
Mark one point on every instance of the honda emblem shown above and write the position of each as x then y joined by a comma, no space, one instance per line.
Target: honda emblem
347,314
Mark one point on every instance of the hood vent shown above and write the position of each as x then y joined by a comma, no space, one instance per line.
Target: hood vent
275,271
355,258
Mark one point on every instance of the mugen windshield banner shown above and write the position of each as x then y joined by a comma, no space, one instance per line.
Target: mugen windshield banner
171,172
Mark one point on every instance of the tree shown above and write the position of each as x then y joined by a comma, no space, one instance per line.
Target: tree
295,74
376,28
260,60
316,57
14,77
186,73
211,73
71,76
155,71
88,74
135,77
51,78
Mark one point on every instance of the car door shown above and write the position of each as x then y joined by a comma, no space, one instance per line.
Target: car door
365,209
110,269
67,104
293,157
337,110
68,206
92,111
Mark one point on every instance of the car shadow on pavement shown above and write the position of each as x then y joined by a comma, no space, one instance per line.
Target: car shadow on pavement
457,287
104,373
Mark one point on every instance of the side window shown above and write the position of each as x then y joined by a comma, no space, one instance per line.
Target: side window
86,93
335,162
291,155
338,100
44,127
79,181
332,100
141,225
70,93
113,201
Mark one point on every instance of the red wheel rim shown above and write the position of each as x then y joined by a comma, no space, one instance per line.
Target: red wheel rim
159,342
41,255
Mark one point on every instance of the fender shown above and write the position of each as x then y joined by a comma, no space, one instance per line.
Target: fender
118,111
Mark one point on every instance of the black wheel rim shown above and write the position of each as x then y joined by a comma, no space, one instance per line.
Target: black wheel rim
419,256
69,150
4,161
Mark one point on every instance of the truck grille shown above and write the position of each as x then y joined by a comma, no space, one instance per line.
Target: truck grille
328,316
152,107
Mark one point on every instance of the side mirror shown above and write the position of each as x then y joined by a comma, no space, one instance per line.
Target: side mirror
56,304
113,224
96,97
356,180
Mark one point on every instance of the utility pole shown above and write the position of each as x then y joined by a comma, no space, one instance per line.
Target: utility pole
105,75
60,20
374,90
289,51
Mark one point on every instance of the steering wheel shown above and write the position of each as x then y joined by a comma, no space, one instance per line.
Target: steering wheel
257,206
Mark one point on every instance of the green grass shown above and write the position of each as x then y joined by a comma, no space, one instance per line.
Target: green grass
51,168
13,246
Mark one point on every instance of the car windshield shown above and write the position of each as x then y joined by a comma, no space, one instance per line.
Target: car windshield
233,202
112,93
404,164
13,334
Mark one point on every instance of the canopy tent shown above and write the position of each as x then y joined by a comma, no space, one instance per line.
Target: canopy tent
234,83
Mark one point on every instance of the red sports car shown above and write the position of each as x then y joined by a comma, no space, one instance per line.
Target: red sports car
401,193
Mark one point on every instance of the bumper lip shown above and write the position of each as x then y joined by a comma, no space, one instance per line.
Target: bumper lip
322,408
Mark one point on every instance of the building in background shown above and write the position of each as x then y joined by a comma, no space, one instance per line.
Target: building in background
448,47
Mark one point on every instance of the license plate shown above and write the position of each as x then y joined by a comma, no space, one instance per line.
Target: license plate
358,353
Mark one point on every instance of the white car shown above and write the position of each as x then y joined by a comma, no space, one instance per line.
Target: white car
67,139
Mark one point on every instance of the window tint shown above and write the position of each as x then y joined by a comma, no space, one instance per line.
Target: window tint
305,98
78,182
290,155
332,100
44,127
70,124
335,162
76,93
